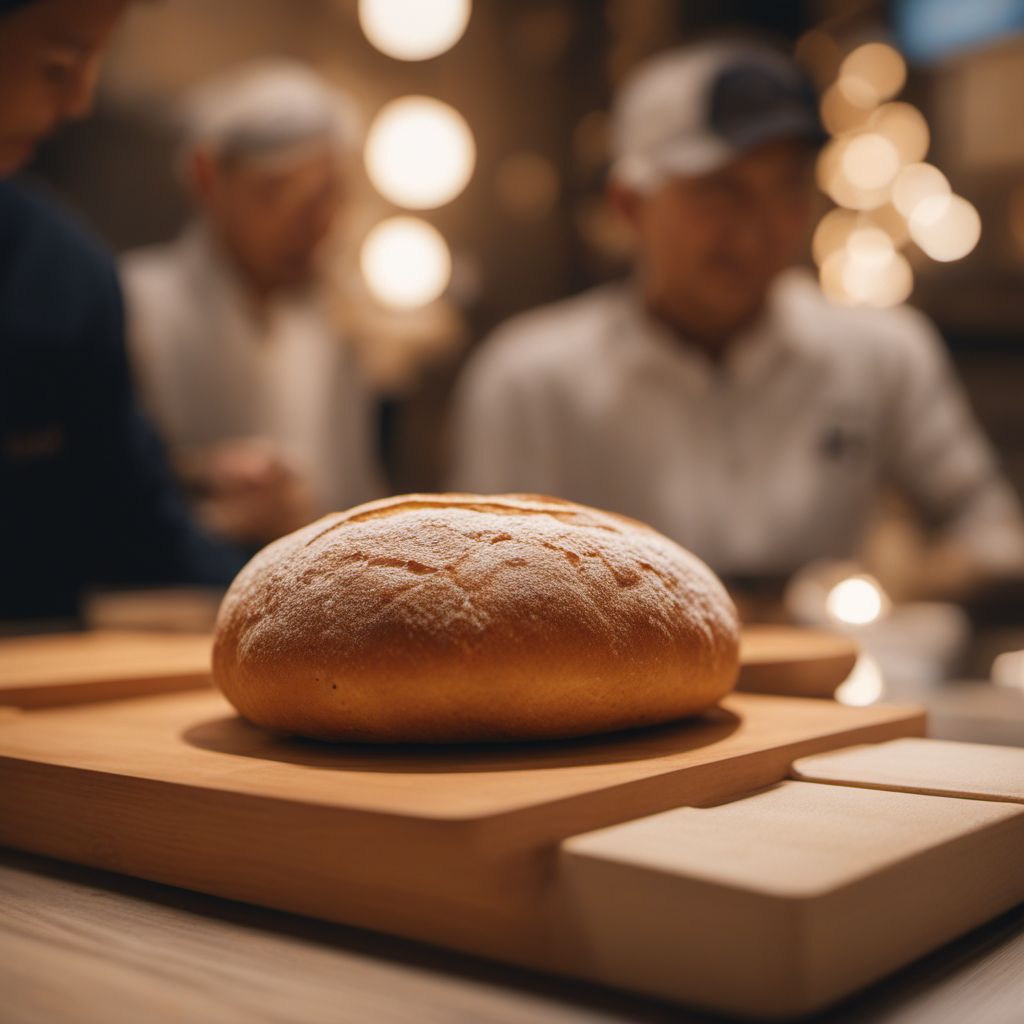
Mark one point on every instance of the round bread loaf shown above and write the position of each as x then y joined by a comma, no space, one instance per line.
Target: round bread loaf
461,617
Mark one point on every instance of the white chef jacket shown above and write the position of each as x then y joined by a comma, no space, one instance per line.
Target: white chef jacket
761,463
210,371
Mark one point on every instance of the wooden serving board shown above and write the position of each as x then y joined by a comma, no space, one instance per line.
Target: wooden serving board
452,846
75,668
794,662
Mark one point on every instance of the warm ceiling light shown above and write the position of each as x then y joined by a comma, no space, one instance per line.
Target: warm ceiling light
419,152
905,127
405,263
413,29
872,73
946,227
870,161
914,184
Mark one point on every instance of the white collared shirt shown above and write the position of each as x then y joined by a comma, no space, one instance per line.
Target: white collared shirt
210,371
760,464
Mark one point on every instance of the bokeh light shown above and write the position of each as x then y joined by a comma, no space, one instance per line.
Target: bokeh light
914,184
419,152
1008,670
414,29
835,182
838,114
405,262
876,277
864,685
891,221
870,161
832,278
856,601
870,245
832,232
946,227
905,128
872,73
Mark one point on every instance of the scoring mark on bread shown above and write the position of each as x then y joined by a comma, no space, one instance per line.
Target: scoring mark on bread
402,563
525,505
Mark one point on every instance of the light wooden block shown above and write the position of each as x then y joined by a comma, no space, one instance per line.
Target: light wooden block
782,902
975,771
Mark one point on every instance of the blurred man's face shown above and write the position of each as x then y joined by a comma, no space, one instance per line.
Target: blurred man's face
49,61
272,217
709,247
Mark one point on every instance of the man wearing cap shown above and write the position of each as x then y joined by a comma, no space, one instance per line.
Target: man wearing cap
86,498
240,364
717,395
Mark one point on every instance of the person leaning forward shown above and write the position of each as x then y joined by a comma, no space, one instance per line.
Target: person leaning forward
85,494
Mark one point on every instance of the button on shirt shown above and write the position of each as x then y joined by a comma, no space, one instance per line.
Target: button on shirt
210,370
769,459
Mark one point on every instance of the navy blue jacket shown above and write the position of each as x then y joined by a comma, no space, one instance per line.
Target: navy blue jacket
86,495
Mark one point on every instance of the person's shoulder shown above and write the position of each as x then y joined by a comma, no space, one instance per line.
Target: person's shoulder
550,338
163,286
50,240
887,338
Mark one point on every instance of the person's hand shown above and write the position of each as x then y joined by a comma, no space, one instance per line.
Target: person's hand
248,491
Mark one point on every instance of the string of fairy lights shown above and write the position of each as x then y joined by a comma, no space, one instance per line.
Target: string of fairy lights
419,155
887,196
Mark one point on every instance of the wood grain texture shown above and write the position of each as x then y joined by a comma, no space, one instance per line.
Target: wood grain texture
971,770
781,902
455,847
75,668
81,946
794,662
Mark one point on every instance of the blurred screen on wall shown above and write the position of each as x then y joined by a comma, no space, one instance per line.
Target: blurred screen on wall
931,30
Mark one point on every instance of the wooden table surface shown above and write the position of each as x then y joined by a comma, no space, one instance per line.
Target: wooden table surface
82,946
79,946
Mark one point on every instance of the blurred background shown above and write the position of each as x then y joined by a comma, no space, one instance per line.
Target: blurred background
923,98
517,198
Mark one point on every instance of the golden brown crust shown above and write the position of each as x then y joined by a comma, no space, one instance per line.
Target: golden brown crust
455,617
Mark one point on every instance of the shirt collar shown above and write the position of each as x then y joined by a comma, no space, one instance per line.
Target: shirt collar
750,356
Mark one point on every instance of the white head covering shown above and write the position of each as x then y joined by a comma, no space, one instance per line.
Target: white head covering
262,109
691,110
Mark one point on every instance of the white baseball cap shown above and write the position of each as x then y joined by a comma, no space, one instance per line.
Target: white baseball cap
265,108
691,110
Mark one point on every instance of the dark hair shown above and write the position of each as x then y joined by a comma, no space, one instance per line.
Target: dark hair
10,6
